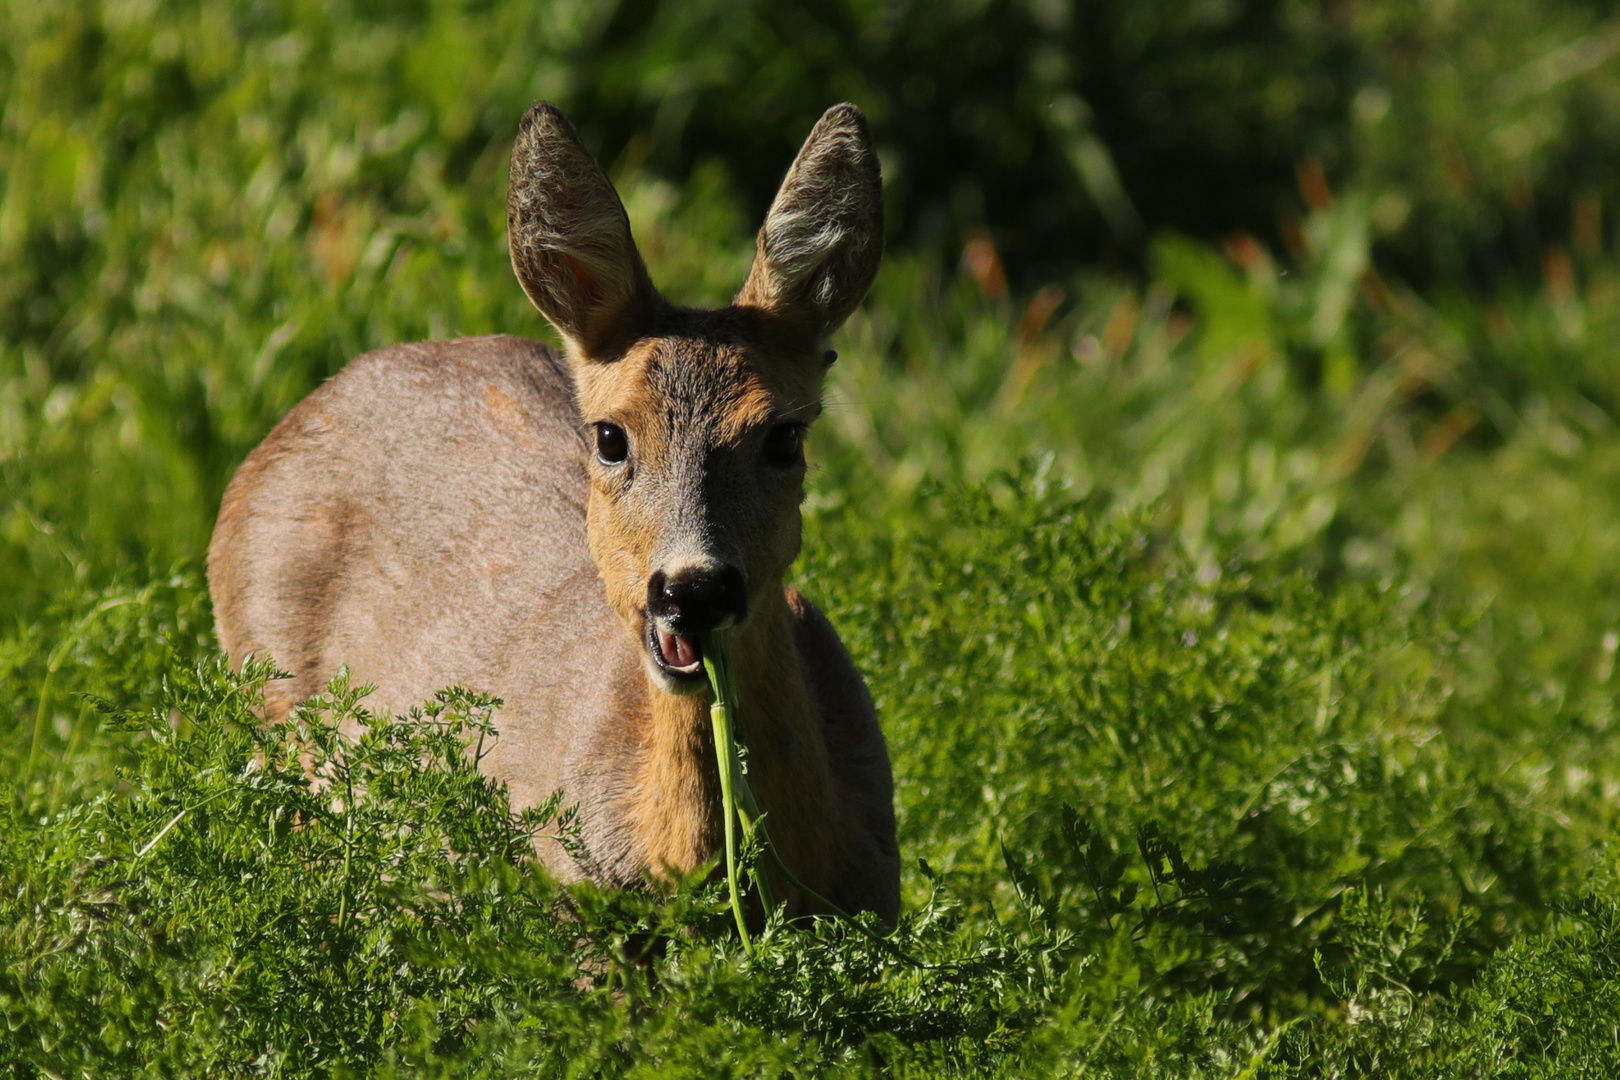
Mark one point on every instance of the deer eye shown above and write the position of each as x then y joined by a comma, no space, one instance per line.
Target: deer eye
611,445
784,445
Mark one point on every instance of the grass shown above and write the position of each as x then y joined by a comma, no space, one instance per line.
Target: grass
1160,826
1244,638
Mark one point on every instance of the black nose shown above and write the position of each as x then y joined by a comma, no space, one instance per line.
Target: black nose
692,601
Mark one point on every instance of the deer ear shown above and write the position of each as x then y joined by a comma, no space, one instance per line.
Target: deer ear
570,238
822,241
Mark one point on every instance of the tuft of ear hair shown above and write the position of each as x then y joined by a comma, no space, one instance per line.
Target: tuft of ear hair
570,238
822,241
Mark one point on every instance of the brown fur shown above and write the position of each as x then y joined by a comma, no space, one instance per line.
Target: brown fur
435,515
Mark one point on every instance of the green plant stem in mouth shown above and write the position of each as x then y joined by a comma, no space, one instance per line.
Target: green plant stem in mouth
740,810
737,803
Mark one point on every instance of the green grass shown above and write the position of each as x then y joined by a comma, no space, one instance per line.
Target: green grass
1159,827
1244,637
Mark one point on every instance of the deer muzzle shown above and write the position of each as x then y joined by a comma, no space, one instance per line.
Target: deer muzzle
682,606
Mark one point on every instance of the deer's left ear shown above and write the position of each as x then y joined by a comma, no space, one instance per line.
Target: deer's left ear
823,238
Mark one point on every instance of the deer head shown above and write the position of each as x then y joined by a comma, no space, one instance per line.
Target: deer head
694,420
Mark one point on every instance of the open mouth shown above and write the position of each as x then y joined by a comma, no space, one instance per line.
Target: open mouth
677,655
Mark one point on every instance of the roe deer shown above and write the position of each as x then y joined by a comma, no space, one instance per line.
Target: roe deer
559,530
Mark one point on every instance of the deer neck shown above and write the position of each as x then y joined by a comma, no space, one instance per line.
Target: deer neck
678,816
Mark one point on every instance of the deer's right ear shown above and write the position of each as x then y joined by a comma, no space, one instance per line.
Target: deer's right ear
570,238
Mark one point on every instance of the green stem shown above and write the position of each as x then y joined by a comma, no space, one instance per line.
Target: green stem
67,761
717,663
821,901
348,843
39,720
737,804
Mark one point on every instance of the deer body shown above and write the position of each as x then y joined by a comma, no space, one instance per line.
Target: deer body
559,529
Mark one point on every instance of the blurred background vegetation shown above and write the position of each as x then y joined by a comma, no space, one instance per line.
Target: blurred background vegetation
1326,287
1332,280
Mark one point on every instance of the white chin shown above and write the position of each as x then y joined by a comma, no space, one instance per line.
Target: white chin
668,683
